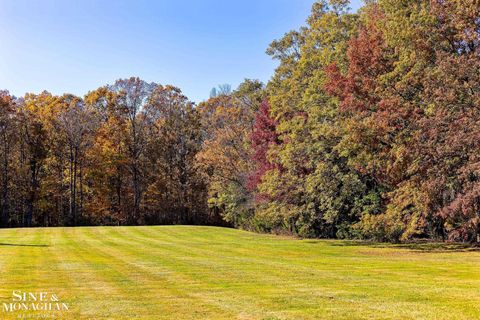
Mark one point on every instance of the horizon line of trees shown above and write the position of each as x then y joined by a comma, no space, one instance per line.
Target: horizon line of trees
122,155
369,128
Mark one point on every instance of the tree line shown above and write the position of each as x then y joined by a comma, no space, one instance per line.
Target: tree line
124,154
369,128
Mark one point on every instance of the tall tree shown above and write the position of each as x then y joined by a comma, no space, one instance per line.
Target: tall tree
76,124
132,96
34,149
7,136
175,191
313,190
225,157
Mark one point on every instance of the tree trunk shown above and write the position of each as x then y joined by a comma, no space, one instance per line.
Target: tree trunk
74,195
32,194
80,212
5,200
70,181
136,196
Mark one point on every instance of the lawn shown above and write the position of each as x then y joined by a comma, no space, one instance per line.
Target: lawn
183,272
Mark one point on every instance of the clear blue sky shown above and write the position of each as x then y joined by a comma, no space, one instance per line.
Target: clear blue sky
76,46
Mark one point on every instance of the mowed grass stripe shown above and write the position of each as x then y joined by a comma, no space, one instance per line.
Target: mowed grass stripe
411,295
183,272
21,251
7,255
93,278
247,297
178,276
332,281
17,259
255,278
131,290
188,273
382,272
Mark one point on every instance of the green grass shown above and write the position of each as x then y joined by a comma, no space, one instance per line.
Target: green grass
185,272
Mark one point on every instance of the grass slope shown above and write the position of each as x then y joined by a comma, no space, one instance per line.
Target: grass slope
182,272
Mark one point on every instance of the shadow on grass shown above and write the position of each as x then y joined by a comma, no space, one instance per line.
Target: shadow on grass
23,245
435,247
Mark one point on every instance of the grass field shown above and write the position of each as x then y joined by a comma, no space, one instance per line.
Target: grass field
182,272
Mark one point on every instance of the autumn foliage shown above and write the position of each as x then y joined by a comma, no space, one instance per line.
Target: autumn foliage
369,128
263,136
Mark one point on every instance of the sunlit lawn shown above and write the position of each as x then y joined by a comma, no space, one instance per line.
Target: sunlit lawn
183,272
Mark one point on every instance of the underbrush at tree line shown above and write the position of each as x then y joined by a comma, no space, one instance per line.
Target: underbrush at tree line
369,128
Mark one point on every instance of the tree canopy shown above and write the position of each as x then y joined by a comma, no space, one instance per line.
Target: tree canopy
369,128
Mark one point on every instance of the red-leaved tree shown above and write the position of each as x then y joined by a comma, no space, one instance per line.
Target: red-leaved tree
263,136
